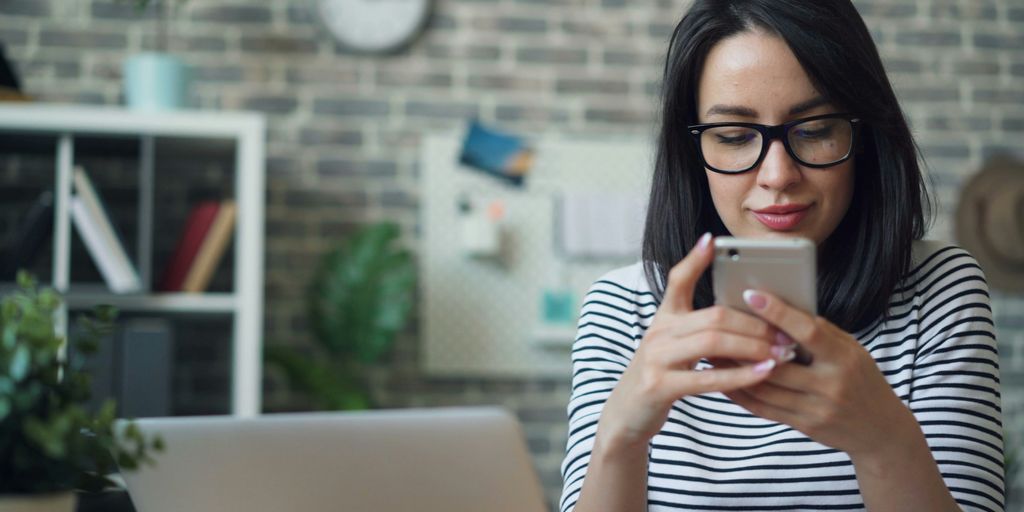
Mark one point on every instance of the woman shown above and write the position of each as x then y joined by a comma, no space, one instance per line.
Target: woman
681,405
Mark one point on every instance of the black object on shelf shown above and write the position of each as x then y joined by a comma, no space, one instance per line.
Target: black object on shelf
7,77
24,244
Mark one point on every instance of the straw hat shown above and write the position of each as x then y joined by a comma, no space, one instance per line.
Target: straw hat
990,222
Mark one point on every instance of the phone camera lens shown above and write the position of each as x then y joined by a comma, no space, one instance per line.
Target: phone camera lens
734,254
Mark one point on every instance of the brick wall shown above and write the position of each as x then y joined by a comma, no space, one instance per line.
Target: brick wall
344,130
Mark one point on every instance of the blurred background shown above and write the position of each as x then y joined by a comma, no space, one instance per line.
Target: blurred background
357,137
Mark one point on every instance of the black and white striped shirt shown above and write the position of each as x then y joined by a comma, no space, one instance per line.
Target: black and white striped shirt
937,351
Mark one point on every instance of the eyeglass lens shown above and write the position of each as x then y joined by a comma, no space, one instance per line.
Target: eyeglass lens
815,142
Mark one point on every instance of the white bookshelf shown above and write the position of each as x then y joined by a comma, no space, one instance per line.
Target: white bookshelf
245,132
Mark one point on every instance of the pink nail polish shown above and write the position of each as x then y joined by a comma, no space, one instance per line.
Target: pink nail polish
783,354
704,241
754,299
764,366
783,339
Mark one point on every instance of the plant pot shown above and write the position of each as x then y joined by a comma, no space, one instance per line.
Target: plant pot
49,502
155,81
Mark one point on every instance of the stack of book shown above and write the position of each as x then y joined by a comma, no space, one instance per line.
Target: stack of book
200,247
93,224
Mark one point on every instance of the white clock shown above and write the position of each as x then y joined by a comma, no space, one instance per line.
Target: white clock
374,26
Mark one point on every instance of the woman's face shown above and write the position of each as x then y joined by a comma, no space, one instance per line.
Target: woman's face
753,77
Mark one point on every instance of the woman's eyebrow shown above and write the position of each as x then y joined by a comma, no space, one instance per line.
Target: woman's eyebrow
731,110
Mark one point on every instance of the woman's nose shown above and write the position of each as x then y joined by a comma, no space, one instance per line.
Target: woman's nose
778,170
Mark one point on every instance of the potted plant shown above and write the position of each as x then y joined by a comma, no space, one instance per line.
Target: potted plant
359,299
50,445
156,80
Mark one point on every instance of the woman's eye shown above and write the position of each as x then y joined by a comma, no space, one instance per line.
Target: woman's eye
734,140
814,133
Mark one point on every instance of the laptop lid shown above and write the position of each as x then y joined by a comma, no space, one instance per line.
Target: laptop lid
423,460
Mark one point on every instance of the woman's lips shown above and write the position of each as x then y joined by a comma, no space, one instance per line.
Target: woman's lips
781,219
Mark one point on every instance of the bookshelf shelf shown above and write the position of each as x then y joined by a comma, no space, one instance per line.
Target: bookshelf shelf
68,131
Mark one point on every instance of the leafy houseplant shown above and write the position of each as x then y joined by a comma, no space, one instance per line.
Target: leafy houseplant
360,297
49,443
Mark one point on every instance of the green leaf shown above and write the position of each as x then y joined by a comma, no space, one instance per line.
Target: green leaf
19,366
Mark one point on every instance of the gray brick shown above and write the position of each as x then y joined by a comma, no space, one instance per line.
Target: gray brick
930,94
1012,41
506,81
441,109
945,151
930,38
372,108
322,75
957,123
522,25
230,14
325,198
398,199
618,115
1000,96
614,3
543,55
271,104
278,44
330,136
25,7
82,38
413,78
441,21
1017,69
886,10
973,10
661,30
1015,14
217,73
1013,124
975,67
614,57
348,168
591,86
896,65
11,36
116,10
205,44
463,52
301,15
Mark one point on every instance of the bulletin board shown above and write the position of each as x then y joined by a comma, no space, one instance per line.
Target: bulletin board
482,317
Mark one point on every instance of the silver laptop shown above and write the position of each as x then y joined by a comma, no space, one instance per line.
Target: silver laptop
422,460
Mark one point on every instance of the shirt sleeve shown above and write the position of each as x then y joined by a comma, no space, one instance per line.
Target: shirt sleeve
955,392
608,331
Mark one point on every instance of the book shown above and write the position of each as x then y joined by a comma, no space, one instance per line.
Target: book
93,224
212,249
28,238
198,224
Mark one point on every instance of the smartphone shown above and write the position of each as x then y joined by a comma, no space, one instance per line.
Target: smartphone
785,267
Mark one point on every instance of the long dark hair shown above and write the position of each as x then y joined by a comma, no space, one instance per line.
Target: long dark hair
865,258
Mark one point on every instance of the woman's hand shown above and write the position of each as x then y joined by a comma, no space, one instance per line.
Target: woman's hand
841,400
661,370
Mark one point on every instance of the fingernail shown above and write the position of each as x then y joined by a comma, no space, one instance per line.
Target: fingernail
764,366
782,338
783,354
754,299
704,241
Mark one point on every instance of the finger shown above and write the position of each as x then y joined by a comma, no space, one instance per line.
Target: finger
798,377
780,397
758,408
683,277
686,383
804,328
712,345
720,318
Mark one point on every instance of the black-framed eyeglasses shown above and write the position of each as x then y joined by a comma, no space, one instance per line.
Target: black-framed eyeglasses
818,142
